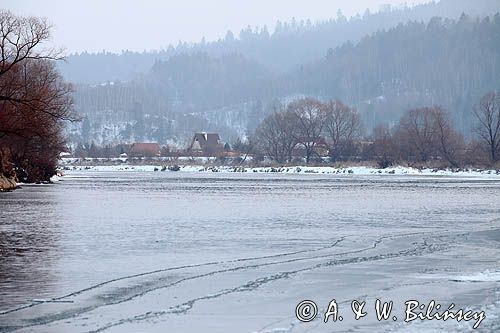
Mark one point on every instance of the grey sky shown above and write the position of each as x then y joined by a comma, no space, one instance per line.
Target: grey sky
114,25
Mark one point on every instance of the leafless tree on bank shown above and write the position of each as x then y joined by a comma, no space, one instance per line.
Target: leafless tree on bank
34,99
427,133
487,114
449,143
384,148
276,135
309,116
342,126
415,134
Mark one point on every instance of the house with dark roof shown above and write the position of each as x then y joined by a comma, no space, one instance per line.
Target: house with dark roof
144,149
206,143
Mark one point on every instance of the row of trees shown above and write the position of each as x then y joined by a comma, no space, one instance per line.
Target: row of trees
312,129
34,100
304,123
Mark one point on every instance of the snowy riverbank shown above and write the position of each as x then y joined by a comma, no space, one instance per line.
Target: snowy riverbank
358,170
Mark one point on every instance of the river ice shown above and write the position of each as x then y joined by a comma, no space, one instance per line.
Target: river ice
221,252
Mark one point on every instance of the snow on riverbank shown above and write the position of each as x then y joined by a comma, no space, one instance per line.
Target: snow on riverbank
359,170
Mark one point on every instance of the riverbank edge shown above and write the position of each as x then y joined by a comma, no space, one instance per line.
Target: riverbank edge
354,170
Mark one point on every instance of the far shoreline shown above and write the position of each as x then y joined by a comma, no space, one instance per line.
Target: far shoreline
299,169
344,171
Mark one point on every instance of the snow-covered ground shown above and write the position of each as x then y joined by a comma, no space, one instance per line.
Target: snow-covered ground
357,170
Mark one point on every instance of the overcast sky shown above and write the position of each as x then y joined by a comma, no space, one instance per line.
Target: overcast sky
115,25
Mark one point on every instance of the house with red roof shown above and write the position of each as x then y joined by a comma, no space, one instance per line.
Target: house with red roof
144,149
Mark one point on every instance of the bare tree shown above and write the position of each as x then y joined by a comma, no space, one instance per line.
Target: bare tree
21,40
449,142
276,135
427,133
415,135
34,99
309,117
385,150
43,92
487,114
342,125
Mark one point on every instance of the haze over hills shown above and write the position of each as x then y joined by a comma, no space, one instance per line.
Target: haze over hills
446,62
291,44
381,63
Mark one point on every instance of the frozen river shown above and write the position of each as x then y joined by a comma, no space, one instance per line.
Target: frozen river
213,252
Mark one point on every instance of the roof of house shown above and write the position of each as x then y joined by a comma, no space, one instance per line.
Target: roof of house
145,147
206,140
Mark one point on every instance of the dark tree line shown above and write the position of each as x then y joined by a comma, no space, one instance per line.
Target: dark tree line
34,100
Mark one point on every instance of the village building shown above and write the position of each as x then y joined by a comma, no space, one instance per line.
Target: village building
206,143
144,149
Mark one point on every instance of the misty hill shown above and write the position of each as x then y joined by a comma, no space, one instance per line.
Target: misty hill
447,62
187,92
291,44
200,81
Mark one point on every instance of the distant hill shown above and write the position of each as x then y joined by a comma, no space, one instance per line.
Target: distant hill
291,44
200,81
447,62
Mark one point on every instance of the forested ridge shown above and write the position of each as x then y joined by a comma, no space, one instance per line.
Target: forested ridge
446,62
288,45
